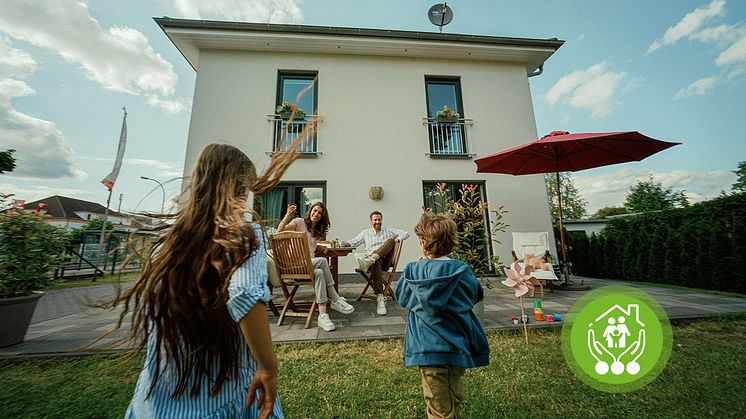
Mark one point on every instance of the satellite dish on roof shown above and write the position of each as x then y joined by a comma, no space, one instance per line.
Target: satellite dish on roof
440,15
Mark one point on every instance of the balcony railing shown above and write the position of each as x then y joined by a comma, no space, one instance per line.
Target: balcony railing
448,139
284,133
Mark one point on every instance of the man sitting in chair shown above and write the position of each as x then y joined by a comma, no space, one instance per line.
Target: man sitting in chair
379,252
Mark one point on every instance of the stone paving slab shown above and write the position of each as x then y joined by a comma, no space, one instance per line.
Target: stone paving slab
65,323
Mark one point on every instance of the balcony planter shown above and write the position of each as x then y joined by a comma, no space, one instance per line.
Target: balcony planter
15,317
299,115
447,119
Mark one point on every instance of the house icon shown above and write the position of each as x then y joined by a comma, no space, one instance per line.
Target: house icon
632,311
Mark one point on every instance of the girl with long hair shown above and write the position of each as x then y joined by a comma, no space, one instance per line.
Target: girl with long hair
199,305
316,224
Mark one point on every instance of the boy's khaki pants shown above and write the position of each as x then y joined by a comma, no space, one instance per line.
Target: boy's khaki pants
443,389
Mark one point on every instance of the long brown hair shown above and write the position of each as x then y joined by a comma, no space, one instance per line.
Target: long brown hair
181,296
322,226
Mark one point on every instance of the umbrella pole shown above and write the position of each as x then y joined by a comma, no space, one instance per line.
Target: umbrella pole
561,227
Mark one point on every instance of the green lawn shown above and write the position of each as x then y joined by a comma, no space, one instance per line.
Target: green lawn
89,282
704,378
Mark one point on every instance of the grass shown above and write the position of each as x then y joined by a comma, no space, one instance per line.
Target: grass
88,281
362,379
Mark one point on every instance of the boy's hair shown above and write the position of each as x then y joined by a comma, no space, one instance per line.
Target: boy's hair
438,234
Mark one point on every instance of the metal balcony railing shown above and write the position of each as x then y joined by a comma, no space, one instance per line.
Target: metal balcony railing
448,139
284,133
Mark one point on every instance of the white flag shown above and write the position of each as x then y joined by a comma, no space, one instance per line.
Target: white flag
109,180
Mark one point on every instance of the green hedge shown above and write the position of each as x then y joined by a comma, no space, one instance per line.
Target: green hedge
701,246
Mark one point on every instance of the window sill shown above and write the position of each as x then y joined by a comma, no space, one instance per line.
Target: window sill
305,155
460,156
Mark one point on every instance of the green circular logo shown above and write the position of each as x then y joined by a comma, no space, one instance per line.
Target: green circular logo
616,338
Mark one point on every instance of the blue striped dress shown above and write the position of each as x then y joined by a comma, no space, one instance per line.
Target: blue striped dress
247,286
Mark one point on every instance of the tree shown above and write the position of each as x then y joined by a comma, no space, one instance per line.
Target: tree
573,204
95,225
650,195
740,185
7,161
609,211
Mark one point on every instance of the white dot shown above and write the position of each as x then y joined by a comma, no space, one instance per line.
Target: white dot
617,368
633,368
602,368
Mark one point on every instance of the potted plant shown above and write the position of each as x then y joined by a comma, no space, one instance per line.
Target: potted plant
285,110
30,249
447,115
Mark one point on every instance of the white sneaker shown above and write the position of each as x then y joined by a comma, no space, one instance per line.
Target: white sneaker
342,306
364,262
381,306
326,323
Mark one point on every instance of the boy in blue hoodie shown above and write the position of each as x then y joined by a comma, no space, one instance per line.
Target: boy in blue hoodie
443,334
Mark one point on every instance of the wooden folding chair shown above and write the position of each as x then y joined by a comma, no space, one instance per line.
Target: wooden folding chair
388,277
293,261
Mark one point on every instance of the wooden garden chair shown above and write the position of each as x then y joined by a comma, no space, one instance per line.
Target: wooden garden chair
294,267
388,277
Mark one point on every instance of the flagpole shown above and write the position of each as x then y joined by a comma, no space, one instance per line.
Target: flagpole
109,182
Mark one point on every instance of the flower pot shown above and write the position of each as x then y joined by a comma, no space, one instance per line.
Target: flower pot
299,115
15,317
447,119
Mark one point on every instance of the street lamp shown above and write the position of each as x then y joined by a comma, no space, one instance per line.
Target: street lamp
163,199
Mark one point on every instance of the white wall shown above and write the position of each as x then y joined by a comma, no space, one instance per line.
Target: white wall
373,133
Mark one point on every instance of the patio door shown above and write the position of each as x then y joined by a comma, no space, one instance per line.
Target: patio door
438,201
272,205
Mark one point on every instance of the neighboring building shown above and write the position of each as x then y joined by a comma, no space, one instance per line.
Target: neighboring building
376,93
74,213
588,226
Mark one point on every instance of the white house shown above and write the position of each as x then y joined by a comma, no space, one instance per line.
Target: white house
376,92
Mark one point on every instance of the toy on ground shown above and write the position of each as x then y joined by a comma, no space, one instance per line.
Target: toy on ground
538,311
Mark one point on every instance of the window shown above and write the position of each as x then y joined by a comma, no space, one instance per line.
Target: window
446,139
272,205
289,86
437,202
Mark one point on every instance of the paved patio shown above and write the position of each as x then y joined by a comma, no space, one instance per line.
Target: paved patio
65,324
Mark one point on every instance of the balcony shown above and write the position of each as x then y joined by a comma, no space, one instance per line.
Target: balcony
284,133
448,139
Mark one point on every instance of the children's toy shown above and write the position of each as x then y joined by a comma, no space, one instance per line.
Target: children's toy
557,317
550,318
538,311
525,319
514,319
523,283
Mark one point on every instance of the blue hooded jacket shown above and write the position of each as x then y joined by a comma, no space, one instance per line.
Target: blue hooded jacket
442,329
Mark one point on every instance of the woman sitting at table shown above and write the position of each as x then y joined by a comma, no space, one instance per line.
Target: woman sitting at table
316,224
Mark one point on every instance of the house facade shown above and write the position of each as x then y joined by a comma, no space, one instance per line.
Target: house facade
71,213
376,94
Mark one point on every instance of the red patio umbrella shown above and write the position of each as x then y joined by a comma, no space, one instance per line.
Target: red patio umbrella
560,151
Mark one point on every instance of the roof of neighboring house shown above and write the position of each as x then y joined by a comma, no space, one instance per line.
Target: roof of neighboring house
65,207
189,36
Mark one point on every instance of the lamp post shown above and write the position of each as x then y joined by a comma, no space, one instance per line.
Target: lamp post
163,199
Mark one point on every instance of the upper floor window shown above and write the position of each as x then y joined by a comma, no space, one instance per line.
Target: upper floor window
448,137
441,92
289,86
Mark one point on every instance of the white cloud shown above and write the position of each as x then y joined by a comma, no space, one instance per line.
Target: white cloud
40,150
264,11
697,88
170,106
119,58
721,34
591,89
736,53
610,189
689,24
634,84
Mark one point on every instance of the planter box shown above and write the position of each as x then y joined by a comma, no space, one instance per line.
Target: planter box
447,119
15,317
299,115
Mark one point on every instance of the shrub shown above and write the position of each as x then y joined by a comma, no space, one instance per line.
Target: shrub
29,250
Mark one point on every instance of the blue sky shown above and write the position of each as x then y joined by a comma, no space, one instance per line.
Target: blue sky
672,70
